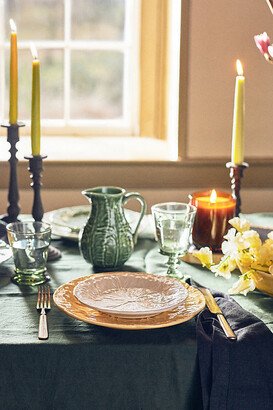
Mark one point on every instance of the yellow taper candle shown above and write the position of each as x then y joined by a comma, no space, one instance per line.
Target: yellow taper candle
35,104
13,99
238,130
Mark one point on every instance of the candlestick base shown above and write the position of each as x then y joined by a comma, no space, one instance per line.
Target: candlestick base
13,208
53,253
3,231
36,168
236,173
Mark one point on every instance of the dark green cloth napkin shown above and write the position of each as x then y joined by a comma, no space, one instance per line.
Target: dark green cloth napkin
235,374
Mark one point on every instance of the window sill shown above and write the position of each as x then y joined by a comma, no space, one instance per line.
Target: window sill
94,149
135,163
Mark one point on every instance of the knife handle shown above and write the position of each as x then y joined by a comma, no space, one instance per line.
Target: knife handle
225,326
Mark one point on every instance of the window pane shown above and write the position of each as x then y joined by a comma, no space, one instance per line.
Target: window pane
36,20
98,19
51,84
96,84
52,87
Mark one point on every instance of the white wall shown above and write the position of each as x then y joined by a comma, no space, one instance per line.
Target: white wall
222,31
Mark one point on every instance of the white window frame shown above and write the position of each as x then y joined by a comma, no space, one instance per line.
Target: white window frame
128,124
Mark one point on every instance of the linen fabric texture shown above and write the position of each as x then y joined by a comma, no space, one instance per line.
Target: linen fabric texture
235,374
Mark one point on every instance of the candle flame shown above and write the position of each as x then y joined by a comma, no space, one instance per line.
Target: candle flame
213,197
12,26
34,51
239,67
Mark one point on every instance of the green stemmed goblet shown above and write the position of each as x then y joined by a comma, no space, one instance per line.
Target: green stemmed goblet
173,222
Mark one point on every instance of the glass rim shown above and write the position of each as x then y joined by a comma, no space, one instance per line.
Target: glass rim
198,196
191,208
22,223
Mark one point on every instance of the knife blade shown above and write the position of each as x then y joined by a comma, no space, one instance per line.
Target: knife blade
214,308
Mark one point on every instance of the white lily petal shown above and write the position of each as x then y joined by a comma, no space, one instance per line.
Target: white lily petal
240,224
242,286
205,256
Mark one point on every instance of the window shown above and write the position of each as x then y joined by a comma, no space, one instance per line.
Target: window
109,68
89,63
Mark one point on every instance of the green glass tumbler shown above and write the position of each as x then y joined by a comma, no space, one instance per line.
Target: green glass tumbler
29,242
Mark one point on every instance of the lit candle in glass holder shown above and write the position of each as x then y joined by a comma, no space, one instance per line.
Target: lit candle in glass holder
214,209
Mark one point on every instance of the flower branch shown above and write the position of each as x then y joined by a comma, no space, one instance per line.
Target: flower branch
242,249
263,43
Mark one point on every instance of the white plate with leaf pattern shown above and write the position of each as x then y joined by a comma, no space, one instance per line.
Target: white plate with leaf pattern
130,294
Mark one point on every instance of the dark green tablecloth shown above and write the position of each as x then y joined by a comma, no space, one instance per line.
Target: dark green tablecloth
88,367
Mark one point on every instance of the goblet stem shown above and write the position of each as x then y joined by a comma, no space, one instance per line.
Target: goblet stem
173,263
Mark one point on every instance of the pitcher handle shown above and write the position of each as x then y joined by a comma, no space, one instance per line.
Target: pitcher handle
141,200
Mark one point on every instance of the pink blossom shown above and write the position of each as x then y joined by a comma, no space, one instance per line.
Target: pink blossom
262,42
270,51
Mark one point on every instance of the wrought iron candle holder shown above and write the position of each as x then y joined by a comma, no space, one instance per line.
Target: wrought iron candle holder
236,173
36,168
13,209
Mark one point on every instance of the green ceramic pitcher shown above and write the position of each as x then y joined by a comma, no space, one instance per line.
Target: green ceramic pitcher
107,240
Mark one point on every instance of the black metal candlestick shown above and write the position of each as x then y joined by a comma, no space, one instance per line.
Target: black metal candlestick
236,173
36,168
13,209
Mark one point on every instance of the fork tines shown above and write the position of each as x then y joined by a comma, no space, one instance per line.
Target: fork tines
43,297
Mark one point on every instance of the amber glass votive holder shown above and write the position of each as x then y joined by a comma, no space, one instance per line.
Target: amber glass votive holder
211,220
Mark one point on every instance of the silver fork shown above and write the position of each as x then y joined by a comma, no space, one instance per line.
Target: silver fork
43,306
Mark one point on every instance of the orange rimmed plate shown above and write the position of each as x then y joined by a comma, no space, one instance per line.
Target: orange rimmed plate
130,294
66,301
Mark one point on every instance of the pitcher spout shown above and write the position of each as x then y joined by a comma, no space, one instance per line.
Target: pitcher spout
102,191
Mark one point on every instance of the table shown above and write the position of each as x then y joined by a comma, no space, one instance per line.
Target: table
87,367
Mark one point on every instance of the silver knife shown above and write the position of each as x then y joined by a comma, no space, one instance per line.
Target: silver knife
214,308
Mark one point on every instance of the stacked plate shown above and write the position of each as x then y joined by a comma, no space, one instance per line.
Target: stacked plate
68,222
130,295
129,300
